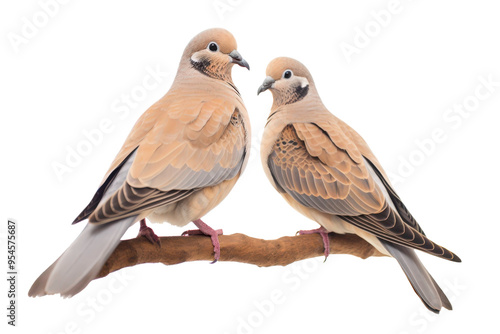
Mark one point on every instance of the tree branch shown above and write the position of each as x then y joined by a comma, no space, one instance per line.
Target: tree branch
234,247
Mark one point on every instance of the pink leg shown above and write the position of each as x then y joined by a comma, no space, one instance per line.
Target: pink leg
207,230
324,235
148,233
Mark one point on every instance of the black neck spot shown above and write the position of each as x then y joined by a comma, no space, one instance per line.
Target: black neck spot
201,66
296,94
301,92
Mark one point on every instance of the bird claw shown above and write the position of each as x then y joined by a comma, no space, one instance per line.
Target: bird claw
148,233
204,229
324,235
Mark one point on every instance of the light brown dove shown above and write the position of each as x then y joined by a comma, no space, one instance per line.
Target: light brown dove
181,159
327,172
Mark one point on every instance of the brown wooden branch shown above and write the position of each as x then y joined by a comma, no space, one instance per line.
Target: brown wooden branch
234,247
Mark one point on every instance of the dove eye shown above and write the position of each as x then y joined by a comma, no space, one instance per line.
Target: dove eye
287,74
212,46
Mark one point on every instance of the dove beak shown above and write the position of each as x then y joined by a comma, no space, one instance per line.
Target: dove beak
268,83
236,58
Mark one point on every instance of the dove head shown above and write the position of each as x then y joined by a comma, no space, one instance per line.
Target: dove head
213,53
288,80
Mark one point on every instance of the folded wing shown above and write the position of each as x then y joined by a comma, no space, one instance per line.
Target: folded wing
322,169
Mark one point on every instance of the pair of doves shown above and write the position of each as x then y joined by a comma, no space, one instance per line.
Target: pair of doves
186,152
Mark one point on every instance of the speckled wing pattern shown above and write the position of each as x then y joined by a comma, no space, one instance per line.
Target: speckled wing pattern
321,167
180,148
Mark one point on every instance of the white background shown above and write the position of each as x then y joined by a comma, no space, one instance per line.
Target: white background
66,78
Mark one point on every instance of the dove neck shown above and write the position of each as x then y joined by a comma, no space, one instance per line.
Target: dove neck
188,73
309,101
191,82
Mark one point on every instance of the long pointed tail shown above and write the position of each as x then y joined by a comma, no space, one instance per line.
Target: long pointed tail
424,285
84,258
82,261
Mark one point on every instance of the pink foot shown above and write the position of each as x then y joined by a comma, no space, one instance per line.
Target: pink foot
148,233
324,235
204,229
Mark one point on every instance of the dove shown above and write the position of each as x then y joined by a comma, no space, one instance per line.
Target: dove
326,171
181,159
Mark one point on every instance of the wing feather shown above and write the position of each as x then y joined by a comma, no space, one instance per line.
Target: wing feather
209,149
333,178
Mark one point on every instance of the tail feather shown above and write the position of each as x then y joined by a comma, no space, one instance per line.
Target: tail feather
422,282
38,288
82,261
444,299
84,258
